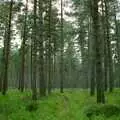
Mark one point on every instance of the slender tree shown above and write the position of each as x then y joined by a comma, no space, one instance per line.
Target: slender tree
110,62
117,37
23,49
104,45
62,50
49,52
34,53
91,52
41,52
7,50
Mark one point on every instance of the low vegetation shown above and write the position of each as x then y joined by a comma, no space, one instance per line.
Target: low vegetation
71,105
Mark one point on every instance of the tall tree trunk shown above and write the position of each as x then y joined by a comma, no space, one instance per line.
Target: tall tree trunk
117,37
105,58
41,52
34,61
7,51
54,61
23,49
91,52
49,52
99,69
2,61
110,62
62,50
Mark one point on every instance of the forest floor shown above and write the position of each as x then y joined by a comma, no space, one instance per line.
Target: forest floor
71,105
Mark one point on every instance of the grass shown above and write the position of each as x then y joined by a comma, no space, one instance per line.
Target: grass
71,105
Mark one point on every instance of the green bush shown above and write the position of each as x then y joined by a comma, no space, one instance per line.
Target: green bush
33,106
110,110
106,110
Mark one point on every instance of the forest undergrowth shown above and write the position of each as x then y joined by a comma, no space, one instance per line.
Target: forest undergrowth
71,105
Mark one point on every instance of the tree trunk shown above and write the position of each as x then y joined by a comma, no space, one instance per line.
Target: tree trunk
117,37
110,63
105,53
7,51
34,64
41,52
23,50
91,53
62,50
98,43
49,52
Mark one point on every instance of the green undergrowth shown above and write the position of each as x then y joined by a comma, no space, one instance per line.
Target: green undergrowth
71,105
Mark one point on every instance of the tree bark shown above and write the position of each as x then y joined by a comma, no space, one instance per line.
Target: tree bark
42,81
110,63
34,62
23,49
98,43
62,50
50,50
7,51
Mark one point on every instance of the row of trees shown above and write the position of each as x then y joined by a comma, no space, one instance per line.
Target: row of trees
39,60
98,33
56,53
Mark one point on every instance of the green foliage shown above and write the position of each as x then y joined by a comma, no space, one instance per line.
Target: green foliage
74,104
110,110
107,110
33,106
92,110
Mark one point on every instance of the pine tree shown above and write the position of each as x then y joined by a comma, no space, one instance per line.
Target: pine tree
61,50
23,46
98,43
49,50
41,51
7,50
34,53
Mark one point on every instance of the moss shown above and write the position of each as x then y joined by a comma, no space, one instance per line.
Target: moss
91,110
107,110
110,110
33,106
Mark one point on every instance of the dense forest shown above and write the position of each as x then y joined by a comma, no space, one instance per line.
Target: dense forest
59,60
